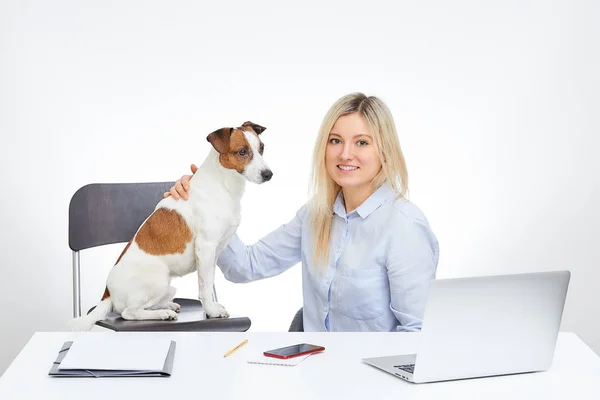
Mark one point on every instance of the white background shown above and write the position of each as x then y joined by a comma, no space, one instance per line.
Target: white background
496,105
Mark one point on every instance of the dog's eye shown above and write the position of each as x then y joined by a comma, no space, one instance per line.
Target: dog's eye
243,152
262,148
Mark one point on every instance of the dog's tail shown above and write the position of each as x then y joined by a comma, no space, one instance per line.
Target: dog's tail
86,322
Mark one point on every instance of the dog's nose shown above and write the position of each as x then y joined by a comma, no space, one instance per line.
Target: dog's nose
266,175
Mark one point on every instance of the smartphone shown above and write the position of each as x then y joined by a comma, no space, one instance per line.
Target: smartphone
296,350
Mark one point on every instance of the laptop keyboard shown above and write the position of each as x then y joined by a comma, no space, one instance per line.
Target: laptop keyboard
406,367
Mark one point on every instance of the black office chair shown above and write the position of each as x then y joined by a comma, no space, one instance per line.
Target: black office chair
297,324
101,214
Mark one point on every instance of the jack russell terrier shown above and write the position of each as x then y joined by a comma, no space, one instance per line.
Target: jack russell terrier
181,237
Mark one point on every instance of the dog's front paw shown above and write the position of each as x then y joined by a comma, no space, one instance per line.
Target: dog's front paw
174,306
215,310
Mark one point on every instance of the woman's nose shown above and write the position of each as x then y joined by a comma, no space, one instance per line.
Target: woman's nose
347,152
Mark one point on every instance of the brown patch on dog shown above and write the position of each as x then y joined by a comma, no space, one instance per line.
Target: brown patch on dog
165,232
106,294
235,158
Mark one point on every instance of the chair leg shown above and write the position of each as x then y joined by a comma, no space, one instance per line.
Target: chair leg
76,285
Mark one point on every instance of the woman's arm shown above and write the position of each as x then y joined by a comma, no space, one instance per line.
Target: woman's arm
412,264
270,256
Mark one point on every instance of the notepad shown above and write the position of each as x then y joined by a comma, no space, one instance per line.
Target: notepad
289,362
115,356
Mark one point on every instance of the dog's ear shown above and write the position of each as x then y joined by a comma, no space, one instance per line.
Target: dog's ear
220,139
257,128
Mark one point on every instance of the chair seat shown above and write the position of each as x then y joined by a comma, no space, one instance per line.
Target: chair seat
190,318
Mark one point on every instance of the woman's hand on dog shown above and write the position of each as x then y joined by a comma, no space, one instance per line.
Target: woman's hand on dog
179,190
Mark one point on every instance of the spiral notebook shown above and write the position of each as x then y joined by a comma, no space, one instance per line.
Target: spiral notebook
289,362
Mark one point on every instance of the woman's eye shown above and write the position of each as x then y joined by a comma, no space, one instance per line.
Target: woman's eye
334,141
243,152
362,143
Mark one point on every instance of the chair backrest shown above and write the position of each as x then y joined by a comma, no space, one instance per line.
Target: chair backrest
106,213
297,324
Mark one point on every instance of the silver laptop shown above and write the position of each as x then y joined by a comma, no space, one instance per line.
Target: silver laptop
484,326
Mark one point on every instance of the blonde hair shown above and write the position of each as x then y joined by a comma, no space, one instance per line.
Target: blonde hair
324,190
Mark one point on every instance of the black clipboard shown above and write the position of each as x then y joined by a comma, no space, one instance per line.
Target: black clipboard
57,372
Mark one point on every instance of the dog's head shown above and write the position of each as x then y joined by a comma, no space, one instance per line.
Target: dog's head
241,150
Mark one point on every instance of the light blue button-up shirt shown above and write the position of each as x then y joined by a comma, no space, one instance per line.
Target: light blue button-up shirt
382,257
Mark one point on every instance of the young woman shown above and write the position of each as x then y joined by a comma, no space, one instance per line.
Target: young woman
367,253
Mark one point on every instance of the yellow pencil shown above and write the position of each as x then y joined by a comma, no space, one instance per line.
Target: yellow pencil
235,348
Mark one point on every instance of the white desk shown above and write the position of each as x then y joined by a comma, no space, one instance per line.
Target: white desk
201,372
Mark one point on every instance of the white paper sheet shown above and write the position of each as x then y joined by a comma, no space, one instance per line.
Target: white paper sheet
117,353
289,362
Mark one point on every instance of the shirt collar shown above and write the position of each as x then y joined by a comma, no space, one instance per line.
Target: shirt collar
372,203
